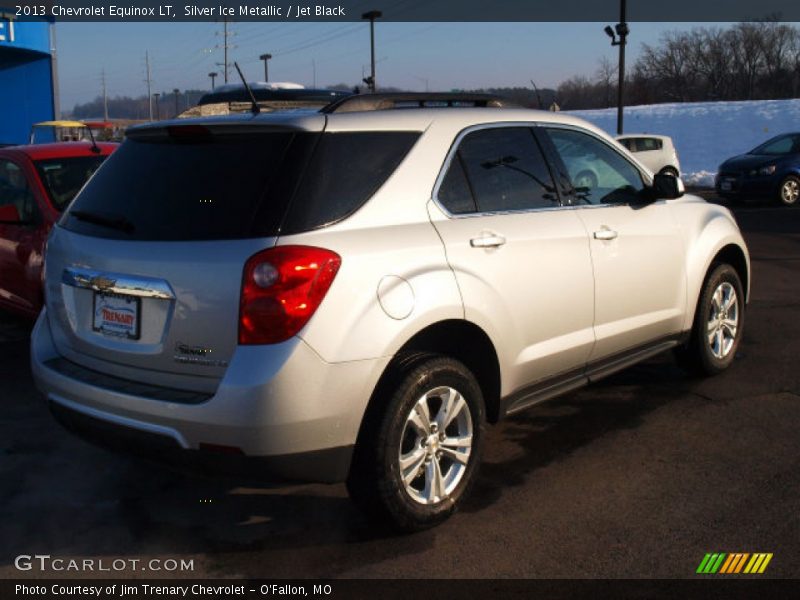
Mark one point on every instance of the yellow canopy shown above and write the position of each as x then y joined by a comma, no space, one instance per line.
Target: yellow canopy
60,124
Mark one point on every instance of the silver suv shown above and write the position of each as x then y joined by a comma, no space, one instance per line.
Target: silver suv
351,295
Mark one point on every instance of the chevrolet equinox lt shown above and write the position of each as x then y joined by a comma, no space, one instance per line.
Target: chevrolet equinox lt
352,294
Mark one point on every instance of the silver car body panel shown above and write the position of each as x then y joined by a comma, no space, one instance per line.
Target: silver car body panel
551,299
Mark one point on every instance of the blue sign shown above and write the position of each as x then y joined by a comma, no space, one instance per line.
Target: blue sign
24,35
26,76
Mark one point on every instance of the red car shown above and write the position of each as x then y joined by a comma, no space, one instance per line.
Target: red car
37,182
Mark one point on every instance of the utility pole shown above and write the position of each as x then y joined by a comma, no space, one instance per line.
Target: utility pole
176,91
225,46
371,15
212,75
538,95
622,30
226,35
313,73
158,110
265,58
105,95
148,80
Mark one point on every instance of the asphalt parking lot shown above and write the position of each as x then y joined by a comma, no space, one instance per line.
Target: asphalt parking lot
638,476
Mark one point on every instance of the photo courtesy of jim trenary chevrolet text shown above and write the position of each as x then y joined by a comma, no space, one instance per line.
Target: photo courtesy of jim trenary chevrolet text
399,297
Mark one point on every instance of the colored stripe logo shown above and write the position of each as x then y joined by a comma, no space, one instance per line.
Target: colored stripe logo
734,563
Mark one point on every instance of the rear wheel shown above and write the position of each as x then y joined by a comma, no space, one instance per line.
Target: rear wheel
718,324
790,191
417,458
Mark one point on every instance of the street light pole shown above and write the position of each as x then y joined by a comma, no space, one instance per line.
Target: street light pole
622,30
212,75
372,15
265,58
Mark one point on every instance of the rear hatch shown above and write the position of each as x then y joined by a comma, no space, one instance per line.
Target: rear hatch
144,270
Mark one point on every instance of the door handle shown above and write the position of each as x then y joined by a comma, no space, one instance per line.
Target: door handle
487,241
605,234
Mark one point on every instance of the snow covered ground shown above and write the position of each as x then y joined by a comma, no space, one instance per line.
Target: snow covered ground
705,133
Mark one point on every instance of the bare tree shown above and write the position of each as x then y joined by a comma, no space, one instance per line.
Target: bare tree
606,76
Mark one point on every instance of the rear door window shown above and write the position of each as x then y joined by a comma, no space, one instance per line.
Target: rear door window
15,190
503,170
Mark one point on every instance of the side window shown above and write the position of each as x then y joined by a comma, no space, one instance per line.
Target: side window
629,143
647,144
598,174
504,170
14,190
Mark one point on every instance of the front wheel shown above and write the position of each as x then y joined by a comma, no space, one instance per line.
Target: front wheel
790,191
418,458
718,324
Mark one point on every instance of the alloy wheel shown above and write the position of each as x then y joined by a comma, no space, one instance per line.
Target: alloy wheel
723,320
435,445
790,191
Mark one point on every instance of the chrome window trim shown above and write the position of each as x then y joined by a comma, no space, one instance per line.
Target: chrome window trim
528,124
117,283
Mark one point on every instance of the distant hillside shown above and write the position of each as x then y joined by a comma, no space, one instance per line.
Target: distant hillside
125,107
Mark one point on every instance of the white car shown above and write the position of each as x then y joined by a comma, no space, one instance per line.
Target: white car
656,152
352,294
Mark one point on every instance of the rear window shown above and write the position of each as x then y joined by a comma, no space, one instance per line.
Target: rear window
642,144
213,187
64,177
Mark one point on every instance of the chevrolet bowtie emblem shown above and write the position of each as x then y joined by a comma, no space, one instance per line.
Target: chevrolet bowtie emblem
102,283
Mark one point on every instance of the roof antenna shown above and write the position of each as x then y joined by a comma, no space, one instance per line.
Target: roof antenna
255,109
95,148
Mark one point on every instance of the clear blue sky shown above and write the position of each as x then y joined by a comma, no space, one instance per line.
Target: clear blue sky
410,55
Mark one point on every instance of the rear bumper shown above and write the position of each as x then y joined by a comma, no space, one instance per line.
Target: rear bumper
280,408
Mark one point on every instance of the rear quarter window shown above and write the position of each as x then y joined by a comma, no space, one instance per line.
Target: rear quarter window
346,170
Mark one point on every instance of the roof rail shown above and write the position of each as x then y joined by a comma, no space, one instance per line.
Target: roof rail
370,102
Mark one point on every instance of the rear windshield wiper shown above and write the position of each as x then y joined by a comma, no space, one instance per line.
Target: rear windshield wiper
112,222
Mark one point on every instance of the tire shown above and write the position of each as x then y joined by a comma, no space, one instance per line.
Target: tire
718,324
670,171
396,441
789,192
586,179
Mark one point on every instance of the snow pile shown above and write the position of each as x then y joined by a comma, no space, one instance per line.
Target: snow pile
705,133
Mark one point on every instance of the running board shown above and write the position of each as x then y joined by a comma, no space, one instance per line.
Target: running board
563,384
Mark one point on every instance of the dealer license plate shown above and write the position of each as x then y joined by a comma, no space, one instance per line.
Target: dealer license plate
117,316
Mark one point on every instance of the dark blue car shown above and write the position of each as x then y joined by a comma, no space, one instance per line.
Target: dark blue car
772,170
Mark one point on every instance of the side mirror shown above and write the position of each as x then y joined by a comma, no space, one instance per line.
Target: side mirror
667,187
10,215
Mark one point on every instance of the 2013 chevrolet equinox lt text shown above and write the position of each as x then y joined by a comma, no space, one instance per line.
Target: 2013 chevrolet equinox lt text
351,295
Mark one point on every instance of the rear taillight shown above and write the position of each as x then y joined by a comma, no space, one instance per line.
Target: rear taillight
281,289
